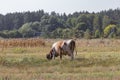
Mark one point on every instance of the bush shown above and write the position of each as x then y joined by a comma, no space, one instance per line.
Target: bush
87,34
109,29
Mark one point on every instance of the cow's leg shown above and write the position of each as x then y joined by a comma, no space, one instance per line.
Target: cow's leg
72,56
61,52
54,56
60,56
54,52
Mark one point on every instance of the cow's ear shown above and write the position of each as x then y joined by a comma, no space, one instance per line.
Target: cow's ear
65,43
48,56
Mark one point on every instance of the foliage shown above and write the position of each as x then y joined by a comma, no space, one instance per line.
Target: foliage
87,34
97,34
110,30
10,34
54,25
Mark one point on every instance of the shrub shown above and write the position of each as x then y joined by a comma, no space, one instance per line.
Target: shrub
109,29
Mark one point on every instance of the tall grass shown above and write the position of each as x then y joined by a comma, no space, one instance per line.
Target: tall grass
32,42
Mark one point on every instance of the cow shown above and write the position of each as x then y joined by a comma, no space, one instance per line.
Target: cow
64,47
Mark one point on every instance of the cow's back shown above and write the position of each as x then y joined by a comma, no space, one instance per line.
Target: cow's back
57,46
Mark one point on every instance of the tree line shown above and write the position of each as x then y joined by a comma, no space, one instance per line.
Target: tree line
103,24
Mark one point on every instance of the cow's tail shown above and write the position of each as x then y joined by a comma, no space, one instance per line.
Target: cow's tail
75,50
75,46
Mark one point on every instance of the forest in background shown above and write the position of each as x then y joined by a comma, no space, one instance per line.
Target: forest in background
103,24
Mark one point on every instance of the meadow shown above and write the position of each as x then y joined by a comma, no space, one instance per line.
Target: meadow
25,59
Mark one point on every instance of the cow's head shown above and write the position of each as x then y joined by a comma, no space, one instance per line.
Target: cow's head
50,55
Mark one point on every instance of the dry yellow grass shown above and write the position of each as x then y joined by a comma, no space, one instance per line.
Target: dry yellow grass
32,42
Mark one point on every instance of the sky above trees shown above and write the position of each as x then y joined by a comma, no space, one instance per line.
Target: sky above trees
59,6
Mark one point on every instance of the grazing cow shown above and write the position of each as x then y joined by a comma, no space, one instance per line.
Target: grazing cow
60,48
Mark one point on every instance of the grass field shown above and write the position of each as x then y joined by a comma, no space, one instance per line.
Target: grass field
96,60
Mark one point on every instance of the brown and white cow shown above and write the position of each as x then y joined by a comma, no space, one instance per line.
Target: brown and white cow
65,47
